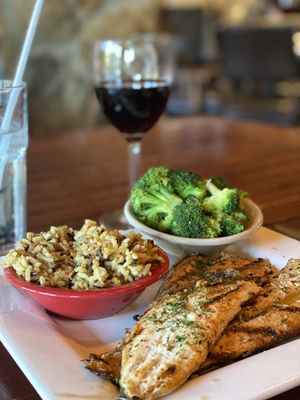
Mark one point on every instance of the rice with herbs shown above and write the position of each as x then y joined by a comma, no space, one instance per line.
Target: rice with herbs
92,257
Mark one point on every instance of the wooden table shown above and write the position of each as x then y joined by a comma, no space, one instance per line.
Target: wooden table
79,175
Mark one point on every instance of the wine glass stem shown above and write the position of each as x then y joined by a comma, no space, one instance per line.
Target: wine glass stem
134,159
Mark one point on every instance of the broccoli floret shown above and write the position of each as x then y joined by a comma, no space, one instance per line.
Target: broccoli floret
243,193
152,199
219,182
229,225
187,183
190,221
156,178
240,215
225,200
181,203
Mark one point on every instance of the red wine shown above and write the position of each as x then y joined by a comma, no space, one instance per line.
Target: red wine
133,107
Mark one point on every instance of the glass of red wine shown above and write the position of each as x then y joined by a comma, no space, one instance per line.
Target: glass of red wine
132,80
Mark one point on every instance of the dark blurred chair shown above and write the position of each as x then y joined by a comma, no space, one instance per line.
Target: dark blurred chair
255,59
194,32
195,49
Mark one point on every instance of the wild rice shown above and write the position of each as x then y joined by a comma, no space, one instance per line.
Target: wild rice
92,257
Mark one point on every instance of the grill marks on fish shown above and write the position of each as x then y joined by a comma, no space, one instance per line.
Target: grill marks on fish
215,269
173,338
278,325
273,318
284,287
231,268
183,275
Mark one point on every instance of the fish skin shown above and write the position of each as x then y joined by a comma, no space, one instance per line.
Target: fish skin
106,365
181,326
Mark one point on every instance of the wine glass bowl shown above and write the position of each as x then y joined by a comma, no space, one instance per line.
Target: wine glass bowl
132,79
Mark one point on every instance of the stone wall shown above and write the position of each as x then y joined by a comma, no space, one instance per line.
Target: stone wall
59,71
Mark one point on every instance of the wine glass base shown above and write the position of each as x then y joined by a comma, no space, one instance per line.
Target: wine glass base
114,220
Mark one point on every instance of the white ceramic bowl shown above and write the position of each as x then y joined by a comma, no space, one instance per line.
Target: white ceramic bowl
177,246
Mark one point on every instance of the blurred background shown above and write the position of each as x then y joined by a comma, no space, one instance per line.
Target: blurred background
235,58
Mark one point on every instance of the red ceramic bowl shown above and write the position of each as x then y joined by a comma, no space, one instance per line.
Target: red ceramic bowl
86,304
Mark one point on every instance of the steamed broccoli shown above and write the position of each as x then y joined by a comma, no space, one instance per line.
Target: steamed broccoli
224,205
229,225
187,183
190,221
181,203
243,193
240,215
153,199
219,182
225,200
156,178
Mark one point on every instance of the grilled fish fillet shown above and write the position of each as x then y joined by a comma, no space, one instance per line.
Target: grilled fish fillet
284,287
231,267
173,338
217,269
183,276
274,317
278,325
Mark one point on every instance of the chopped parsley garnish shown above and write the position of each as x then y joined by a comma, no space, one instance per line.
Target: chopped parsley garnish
180,338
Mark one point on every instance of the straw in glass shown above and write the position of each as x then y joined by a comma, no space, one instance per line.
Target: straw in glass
13,98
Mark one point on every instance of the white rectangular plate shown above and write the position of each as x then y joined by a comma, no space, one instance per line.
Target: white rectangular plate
49,349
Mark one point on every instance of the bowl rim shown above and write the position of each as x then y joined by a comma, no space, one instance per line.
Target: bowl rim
255,223
158,271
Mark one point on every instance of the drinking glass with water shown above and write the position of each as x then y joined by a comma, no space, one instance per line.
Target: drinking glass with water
13,146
